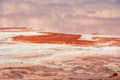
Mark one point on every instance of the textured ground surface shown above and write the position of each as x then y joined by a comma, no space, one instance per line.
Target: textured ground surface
30,55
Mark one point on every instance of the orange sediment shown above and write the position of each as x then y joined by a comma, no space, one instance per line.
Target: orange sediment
114,41
54,38
59,38
15,28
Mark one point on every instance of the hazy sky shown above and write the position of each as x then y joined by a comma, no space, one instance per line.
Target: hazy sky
71,16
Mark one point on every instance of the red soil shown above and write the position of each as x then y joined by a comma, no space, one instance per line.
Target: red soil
54,38
58,38
114,41
15,28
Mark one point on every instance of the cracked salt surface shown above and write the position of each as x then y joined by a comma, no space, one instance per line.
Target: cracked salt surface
90,36
57,51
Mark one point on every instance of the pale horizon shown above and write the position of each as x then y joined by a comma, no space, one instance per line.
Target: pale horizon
65,16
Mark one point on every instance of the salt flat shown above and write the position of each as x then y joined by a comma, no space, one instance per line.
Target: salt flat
56,56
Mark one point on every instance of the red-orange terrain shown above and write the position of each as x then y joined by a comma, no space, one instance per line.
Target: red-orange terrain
59,38
15,29
58,56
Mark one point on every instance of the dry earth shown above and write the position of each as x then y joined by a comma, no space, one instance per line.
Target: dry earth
56,56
